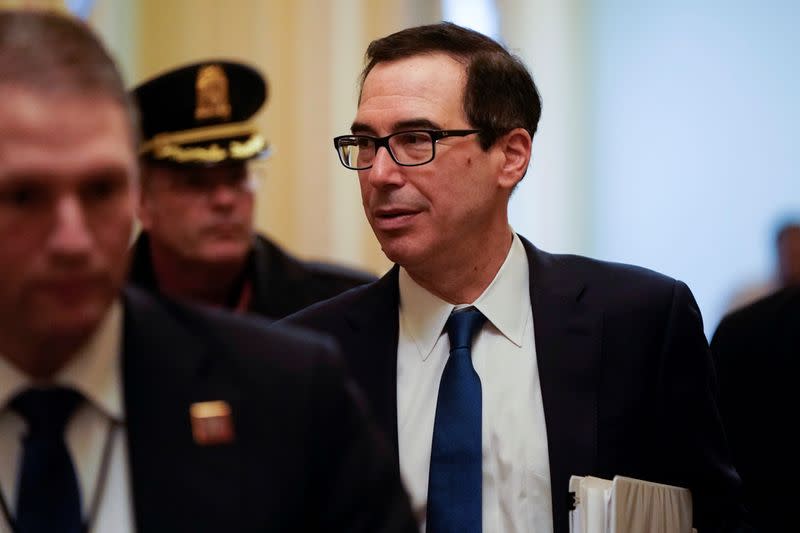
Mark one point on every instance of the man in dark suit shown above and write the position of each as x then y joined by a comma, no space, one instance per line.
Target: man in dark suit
120,411
756,354
197,196
578,367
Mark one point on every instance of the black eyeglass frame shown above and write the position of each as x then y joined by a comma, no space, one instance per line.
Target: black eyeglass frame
435,135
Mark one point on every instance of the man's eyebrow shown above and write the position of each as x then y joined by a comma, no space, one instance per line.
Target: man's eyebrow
403,125
41,176
360,127
415,124
112,170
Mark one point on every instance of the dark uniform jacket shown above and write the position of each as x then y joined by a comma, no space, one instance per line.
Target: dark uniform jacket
303,455
625,371
280,284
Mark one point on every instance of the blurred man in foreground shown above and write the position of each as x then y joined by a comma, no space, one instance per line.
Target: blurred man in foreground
120,411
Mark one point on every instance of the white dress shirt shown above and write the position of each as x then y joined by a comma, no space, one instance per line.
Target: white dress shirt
516,470
95,373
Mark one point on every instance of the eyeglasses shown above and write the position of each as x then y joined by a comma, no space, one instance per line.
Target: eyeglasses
407,148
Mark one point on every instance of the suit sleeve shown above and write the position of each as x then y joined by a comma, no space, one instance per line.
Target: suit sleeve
726,346
360,488
698,444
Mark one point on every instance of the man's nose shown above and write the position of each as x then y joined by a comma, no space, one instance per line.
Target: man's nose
384,171
71,233
225,193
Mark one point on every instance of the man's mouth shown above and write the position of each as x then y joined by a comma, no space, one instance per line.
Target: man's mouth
393,218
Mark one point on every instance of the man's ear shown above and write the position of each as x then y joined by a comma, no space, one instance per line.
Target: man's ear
516,149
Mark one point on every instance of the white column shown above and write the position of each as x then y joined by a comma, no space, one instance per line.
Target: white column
550,206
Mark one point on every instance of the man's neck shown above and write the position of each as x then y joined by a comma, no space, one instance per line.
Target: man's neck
45,358
204,282
461,280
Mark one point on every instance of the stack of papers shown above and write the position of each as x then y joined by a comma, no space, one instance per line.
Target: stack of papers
627,505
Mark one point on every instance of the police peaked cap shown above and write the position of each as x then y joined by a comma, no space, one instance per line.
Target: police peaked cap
199,114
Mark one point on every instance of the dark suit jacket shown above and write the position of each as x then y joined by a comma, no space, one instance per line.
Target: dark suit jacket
304,457
757,352
281,283
625,371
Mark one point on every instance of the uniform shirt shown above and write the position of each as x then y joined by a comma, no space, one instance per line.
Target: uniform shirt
516,471
95,373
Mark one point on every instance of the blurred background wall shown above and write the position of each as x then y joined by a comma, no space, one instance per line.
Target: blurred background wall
693,152
668,137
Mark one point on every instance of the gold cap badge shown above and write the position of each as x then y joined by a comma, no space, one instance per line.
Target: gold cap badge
212,97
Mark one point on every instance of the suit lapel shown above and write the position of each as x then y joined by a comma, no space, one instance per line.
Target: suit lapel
165,370
568,347
371,348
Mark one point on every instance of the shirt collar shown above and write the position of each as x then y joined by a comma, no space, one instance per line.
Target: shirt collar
423,313
94,371
504,303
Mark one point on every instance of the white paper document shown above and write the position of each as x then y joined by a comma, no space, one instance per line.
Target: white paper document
627,505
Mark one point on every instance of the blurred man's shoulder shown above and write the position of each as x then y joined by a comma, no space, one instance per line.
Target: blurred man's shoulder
240,337
771,310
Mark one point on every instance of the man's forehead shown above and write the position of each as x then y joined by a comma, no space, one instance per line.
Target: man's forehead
429,70
80,111
419,89
62,132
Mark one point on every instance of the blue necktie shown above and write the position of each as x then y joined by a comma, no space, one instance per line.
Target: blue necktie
48,497
455,482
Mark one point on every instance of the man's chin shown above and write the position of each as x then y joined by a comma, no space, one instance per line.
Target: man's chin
224,254
403,255
65,335
80,322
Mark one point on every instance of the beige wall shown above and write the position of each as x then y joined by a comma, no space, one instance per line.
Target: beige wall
311,52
